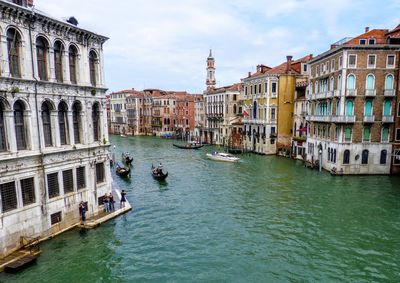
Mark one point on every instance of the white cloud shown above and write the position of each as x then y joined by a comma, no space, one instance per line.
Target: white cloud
164,44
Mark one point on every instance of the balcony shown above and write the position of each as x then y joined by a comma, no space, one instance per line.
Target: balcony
321,95
343,119
370,92
337,93
387,119
351,92
330,94
369,119
319,118
389,93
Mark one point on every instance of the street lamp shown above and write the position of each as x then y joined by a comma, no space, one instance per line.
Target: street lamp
320,159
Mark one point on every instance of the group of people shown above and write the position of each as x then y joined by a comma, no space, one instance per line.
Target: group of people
108,201
158,170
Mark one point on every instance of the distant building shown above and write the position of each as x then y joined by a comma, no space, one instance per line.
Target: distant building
53,124
352,95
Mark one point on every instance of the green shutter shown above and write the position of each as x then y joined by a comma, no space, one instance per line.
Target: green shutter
385,134
387,108
347,134
368,108
389,82
349,108
367,133
370,82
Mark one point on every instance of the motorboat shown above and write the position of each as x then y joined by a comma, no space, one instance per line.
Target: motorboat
158,174
222,156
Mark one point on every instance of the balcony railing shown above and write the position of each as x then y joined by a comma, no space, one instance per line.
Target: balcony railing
369,119
330,93
387,119
321,95
351,92
370,92
319,118
343,119
336,93
389,93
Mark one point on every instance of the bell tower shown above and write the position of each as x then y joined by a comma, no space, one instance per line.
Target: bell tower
210,82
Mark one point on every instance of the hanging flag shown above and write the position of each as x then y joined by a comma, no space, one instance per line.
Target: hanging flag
245,114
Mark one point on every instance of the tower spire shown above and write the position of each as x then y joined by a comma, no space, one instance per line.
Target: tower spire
210,81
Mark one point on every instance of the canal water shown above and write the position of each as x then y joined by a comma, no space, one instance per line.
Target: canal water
264,219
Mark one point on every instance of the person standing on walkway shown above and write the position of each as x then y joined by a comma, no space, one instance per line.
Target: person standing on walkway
82,210
111,202
106,203
123,199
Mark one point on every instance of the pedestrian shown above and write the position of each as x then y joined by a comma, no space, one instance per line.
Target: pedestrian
123,199
111,201
106,203
82,211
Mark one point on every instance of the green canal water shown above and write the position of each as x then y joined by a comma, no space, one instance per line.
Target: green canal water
265,219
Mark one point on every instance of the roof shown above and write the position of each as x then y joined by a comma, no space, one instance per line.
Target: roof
378,34
233,87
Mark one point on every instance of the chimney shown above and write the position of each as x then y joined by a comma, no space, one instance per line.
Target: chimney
366,29
258,68
288,63
249,75
30,3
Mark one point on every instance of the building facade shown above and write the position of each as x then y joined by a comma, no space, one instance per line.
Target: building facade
118,113
352,95
53,125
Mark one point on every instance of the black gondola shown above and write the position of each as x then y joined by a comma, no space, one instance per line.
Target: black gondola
158,173
122,171
127,159
188,146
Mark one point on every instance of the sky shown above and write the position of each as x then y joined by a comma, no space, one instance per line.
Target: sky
164,44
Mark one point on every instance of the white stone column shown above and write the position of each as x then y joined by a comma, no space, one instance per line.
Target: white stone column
71,134
4,67
84,128
51,65
10,130
55,128
66,73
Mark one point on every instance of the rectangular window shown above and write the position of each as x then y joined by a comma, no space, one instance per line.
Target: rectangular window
390,61
68,181
273,114
305,68
55,218
52,185
371,41
100,172
398,134
363,42
272,130
396,157
8,196
273,88
317,71
367,134
347,134
333,65
352,61
80,178
28,191
340,62
371,61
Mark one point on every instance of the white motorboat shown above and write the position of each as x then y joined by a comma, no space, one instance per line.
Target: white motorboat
222,156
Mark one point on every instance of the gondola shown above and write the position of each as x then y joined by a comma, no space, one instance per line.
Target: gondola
126,158
188,146
158,173
122,171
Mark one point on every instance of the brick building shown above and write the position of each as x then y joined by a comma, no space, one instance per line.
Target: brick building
352,95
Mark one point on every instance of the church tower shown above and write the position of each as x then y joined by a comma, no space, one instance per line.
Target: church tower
210,82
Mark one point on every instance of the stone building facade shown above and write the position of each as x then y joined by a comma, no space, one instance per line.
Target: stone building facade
352,105
53,125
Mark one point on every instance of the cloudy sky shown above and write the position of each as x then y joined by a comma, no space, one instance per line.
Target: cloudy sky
164,43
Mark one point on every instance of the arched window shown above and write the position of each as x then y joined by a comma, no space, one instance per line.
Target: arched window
332,84
366,134
385,134
368,108
255,110
387,108
63,122
58,66
370,82
3,144
46,121
349,107
383,157
19,123
364,156
13,45
351,82
72,57
346,157
234,109
76,120
347,134
41,54
92,67
389,82
96,122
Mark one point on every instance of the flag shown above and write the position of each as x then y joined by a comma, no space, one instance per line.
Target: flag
245,114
